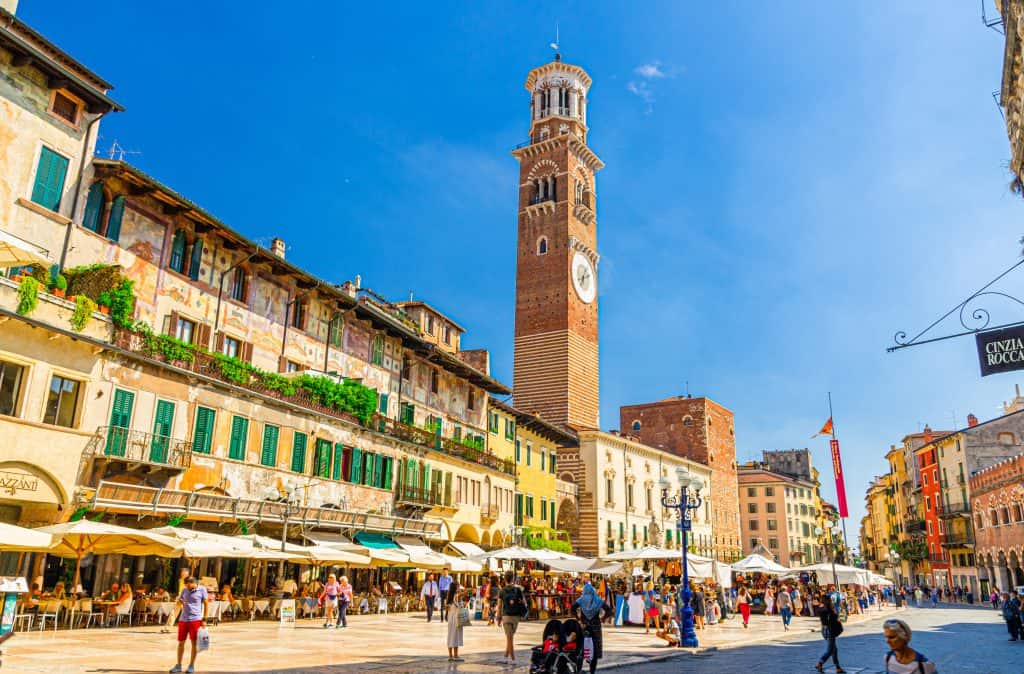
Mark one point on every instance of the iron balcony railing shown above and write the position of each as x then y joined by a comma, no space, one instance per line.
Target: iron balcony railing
916,526
489,512
957,540
420,496
539,200
954,510
137,446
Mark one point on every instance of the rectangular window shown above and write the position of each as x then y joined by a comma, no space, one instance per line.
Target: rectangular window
120,421
752,508
163,421
529,505
753,525
408,414
239,438
382,399
551,463
377,351
231,347
435,381
299,452
492,425
773,525
337,331
429,324
355,469
447,332
529,454
769,491
185,330
339,461
292,366
551,506
62,402
543,509
543,459
202,437
769,507
322,458
510,429
10,387
49,183
519,456
751,491
299,309
239,285
268,453
471,400
65,107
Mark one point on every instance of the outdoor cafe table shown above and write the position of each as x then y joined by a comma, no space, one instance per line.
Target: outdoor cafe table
160,609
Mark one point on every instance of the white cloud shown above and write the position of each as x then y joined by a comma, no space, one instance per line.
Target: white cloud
646,74
650,70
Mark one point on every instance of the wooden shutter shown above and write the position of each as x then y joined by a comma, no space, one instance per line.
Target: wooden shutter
389,467
447,489
268,455
245,352
339,460
201,337
425,478
195,260
282,364
218,343
163,421
239,433
120,420
93,208
49,183
356,469
299,452
378,471
383,407
114,220
172,324
202,438
323,458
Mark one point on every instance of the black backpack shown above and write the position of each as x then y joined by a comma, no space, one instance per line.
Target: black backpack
919,657
513,603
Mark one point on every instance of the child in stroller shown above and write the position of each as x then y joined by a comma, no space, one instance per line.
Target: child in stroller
561,650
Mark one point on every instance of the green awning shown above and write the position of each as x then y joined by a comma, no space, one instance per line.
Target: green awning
376,541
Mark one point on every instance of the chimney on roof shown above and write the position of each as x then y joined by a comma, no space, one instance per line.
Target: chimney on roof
972,421
927,434
277,247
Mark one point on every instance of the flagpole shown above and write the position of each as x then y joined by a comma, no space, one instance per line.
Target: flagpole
831,416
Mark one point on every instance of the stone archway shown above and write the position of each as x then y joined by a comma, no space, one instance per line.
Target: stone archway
485,540
567,519
1016,573
28,482
467,533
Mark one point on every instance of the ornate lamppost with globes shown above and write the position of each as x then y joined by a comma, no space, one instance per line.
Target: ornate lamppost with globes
683,503
830,545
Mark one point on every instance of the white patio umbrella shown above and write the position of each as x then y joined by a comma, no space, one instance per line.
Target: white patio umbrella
77,539
20,539
15,252
646,552
513,552
759,564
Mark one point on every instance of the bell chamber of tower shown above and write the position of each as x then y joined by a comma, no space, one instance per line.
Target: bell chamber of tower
555,373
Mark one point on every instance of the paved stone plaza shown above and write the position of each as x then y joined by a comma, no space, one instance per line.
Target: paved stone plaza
395,643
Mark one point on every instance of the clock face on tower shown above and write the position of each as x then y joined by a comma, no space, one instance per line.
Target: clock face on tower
584,280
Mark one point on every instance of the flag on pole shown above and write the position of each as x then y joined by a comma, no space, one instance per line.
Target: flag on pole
825,430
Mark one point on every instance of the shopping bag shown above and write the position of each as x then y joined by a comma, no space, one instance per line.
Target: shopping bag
588,649
202,639
463,617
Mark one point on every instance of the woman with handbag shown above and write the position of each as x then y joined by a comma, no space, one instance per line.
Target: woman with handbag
831,628
458,618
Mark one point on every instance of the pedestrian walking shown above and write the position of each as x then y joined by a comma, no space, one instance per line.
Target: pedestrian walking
935,598
329,599
831,628
344,601
994,598
443,583
193,603
512,608
769,601
429,594
590,609
743,605
795,596
1011,614
699,609
652,612
901,658
918,595
785,608
454,603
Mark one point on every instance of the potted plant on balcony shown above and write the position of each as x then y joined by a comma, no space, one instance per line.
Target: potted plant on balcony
83,313
28,295
59,285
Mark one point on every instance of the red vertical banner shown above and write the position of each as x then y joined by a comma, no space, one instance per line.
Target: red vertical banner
837,469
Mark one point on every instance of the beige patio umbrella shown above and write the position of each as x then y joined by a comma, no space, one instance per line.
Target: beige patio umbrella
77,539
20,539
15,252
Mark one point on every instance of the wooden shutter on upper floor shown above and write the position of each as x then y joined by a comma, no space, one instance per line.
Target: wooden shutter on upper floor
218,343
245,352
282,364
172,324
202,335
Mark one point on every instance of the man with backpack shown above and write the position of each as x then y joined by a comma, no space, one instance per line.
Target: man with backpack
512,608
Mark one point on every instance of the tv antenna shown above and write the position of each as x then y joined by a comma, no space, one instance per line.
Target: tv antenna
554,45
118,151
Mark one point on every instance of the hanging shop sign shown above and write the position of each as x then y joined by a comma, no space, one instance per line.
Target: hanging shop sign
1001,350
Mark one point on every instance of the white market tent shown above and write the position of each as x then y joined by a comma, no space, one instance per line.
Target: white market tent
582,565
646,552
844,575
696,565
513,553
759,564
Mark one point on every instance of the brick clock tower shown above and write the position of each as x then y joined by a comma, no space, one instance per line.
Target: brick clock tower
555,372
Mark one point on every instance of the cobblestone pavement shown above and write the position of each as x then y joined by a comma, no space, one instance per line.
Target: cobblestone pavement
960,639
396,643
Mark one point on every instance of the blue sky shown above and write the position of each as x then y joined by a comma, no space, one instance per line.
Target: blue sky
787,184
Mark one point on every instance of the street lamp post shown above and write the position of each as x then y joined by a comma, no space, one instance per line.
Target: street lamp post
894,562
683,504
290,508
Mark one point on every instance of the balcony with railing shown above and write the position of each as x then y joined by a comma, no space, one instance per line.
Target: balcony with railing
957,539
916,526
210,366
489,513
951,510
417,496
113,444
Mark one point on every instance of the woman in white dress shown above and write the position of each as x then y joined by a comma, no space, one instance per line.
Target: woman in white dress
454,600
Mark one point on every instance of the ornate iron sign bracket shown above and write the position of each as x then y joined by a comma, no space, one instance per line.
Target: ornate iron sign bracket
973,318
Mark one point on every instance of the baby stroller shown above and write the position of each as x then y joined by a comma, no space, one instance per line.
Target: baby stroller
561,650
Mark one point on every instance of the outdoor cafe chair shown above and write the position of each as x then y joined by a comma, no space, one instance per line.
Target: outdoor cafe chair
124,609
49,609
87,613
23,618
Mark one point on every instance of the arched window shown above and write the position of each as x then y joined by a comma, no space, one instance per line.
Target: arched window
687,420
579,192
114,221
636,426
178,245
542,246
545,132
94,207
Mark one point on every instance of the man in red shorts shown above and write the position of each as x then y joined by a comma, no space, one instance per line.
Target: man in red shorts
193,602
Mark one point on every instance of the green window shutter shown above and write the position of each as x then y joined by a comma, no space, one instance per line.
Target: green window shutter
163,421
239,435
268,454
552,518
519,509
356,472
202,438
425,484
543,460
378,471
383,400
408,413
529,455
93,208
196,260
447,489
299,452
177,261
120,419
543,509
114,223
368,461
551,463
339,456
49,184
323,458
519,453
389,466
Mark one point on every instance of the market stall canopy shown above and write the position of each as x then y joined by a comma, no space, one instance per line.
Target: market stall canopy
759,564
462,565
647,552
20,539
420,553
514,552
844,575
200,545
467,549
383,550
582,565
16,252
546,554
880,580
